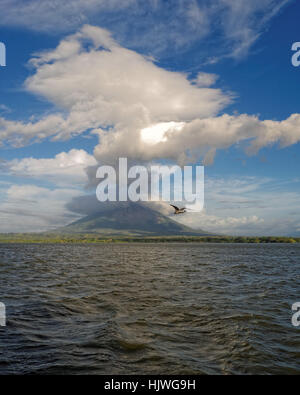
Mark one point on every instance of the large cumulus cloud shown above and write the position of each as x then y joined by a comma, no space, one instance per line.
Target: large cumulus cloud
117,93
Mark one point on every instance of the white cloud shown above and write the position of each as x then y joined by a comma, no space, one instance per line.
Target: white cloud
156,26
243,22
31,208
121,89
200,138
243,225
158,132
127,93
248,206
28,208
54,15
233,206
252,206
66,168
227,225
4,109
206,79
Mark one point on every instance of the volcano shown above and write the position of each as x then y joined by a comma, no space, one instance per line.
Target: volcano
133,220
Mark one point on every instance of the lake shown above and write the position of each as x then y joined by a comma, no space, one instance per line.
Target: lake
149,308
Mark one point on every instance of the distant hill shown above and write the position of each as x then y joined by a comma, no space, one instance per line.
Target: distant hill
133,220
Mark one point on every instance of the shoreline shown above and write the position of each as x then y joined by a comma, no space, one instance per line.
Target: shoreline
98,239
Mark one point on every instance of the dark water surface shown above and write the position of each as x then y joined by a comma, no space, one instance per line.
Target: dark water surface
149,309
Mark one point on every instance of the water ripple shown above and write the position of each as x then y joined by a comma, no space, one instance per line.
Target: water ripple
149,309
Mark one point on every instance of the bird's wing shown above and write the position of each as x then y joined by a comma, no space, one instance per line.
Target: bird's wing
176,208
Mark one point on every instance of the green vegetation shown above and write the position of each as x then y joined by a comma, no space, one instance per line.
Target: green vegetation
96,238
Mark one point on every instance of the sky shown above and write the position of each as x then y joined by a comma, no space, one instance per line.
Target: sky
88,81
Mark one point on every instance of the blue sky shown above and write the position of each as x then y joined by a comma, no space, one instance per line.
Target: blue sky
222,69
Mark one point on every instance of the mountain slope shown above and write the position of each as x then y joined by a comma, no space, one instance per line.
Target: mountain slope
135,220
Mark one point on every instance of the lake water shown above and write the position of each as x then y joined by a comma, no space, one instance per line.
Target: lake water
149,309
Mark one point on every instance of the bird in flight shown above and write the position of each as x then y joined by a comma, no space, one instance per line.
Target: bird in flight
178,210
